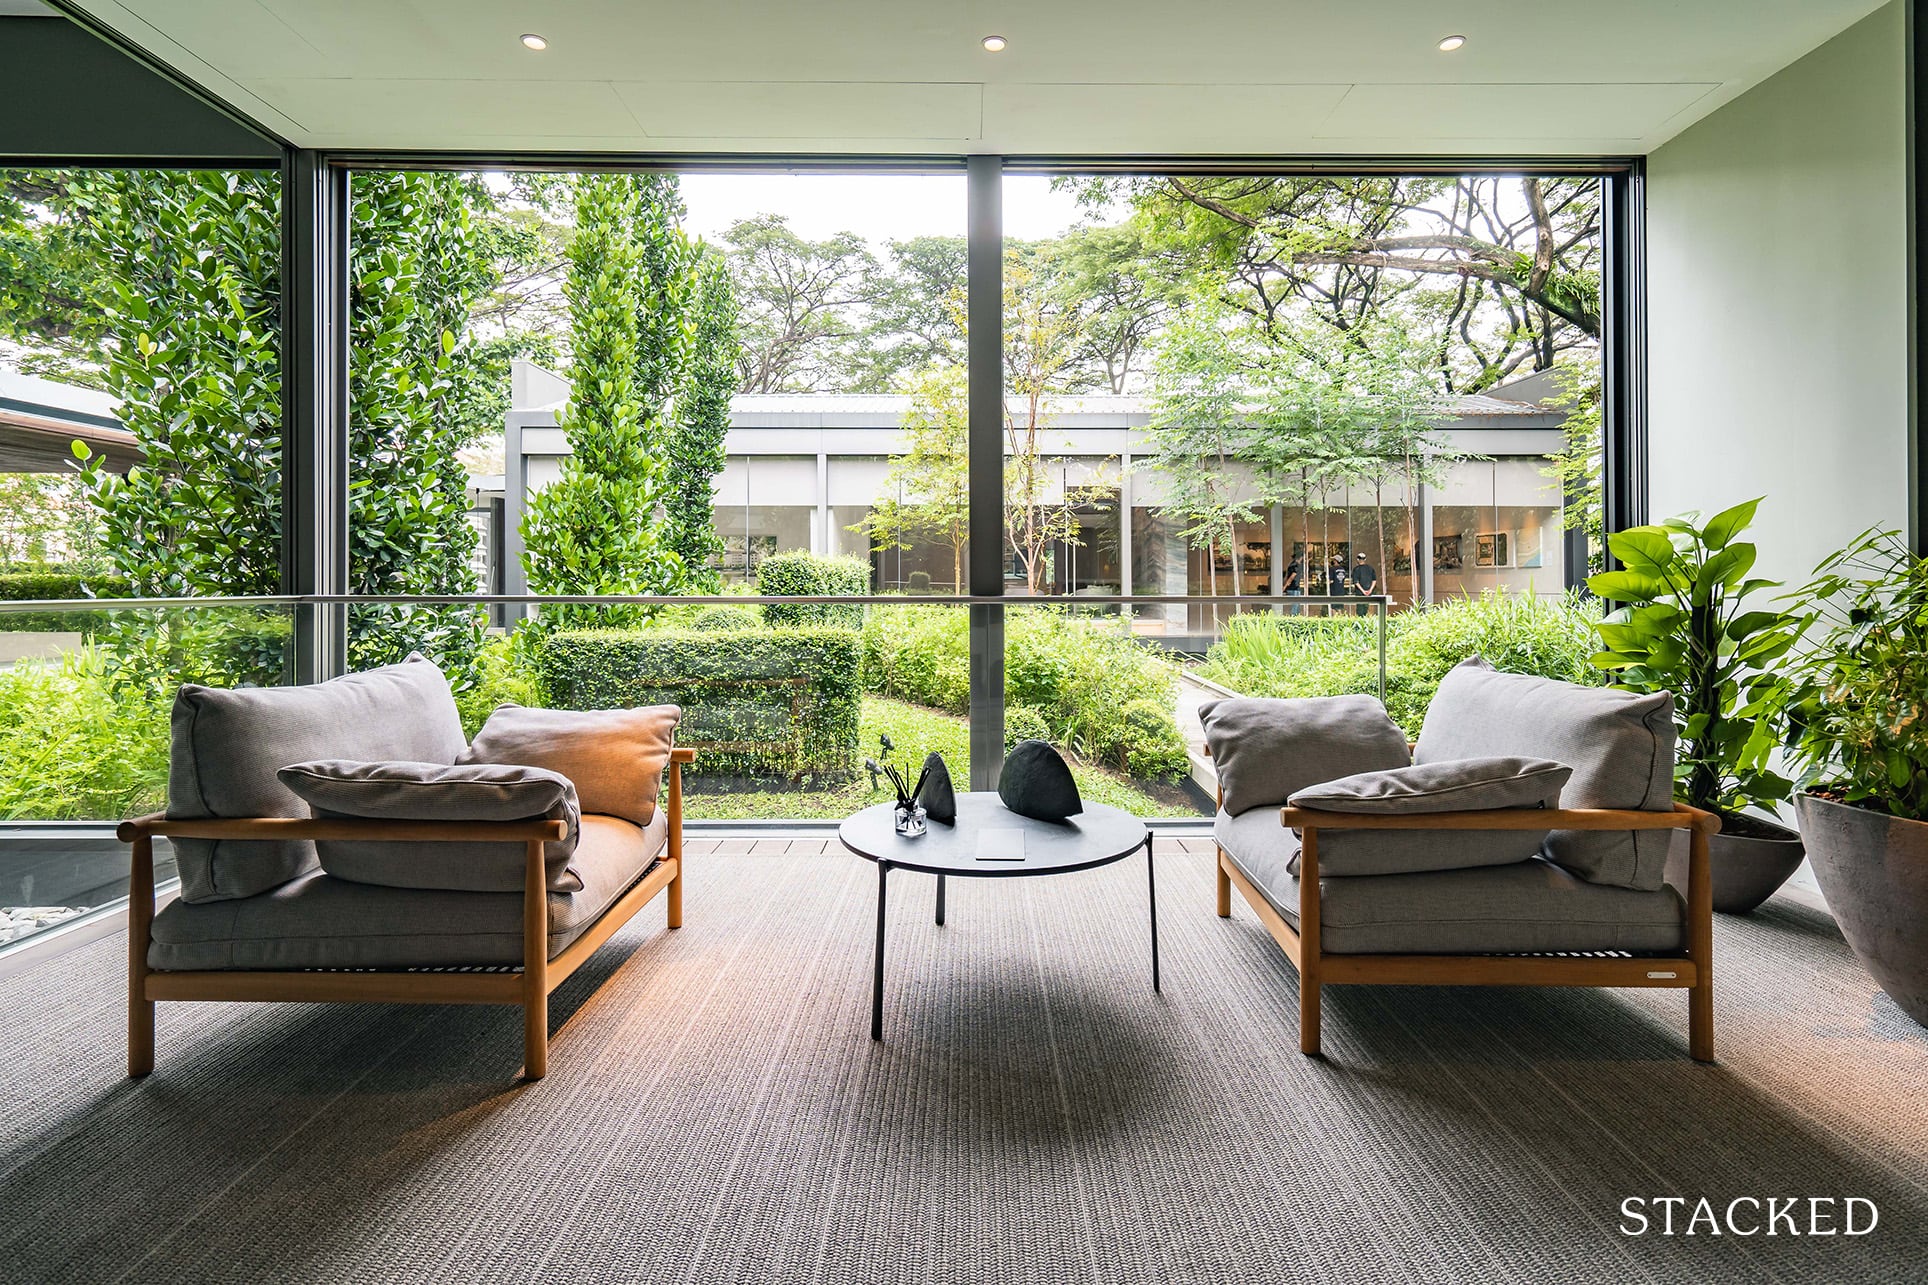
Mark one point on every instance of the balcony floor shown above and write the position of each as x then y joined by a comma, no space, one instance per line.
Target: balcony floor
715,1109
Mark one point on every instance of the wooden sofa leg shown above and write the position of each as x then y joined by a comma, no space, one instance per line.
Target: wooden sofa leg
674,908
535,966
1700,942
1308,1016
140,919
1224,886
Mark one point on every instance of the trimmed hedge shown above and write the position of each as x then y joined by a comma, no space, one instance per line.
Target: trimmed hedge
758,703
56,582
804,575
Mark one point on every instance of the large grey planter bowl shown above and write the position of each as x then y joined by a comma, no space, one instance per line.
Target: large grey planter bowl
1873,869
1746,870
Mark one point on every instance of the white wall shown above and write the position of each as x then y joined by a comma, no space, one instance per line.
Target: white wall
1778,353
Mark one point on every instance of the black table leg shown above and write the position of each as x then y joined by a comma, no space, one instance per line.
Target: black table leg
877,976
1151,885
940,901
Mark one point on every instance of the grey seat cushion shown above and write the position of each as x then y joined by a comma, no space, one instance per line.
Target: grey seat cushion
1526,907
1453,785
1264,750
319,921
228,745
1619,745
397,791
615,757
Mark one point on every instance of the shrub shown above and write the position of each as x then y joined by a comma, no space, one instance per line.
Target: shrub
758,703
798,574
1079,675
500,678
1300,656
1022,723
1152,745
57,582
723,619
76,745
920,582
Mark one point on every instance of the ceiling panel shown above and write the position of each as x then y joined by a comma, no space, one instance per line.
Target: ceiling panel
1548,112
452,108
806,109
1080,75
1174,118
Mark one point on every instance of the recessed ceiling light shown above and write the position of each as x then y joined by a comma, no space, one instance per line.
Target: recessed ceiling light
995,44
530,40
1451,43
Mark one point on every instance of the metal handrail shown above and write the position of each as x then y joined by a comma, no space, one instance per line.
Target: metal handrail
691,600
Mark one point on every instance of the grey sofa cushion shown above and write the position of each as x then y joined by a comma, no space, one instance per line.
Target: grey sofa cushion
397,791
319,921
1265,750
1452,785
616,757
228,745
1522,908
1619,745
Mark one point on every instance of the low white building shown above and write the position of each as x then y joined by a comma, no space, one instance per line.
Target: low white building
805,470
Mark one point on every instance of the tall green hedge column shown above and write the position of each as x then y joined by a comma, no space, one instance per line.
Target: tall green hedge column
599,528
696,442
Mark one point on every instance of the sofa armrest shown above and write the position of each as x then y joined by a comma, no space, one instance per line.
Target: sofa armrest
1682,817
157,825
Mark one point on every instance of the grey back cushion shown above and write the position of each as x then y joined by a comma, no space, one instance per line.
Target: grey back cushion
1620,746
1453,785
400,791
1264,750
228,746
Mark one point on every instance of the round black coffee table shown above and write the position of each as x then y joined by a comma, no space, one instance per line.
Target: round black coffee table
990,841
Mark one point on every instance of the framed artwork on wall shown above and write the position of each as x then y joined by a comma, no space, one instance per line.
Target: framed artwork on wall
1494,549
1446,553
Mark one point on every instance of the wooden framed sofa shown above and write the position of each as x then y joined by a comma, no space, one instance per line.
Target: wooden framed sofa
455,904
1583,903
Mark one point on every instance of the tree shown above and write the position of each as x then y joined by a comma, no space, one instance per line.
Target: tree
696,440
416,265
926,493
915,319
598,529
799,304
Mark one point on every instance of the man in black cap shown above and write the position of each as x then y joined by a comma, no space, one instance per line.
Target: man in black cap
1364,578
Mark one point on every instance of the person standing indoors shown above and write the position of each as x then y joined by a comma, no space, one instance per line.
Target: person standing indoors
1292,587
1364,578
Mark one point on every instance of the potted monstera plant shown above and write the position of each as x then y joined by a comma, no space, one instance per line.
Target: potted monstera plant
1858,734
1684,626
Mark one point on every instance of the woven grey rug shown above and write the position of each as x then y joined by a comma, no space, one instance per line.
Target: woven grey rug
715,1111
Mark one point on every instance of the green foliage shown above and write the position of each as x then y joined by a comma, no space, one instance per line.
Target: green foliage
1022,723
1262,655
598,529
55,582
416,265
800,574
1855,714
926,493
1095,689
1684,629
797,298
756,703
77,745
724,618
500,678
192,296
696,441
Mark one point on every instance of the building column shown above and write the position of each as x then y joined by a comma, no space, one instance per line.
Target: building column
1125,585
820,536
984,315
1423,547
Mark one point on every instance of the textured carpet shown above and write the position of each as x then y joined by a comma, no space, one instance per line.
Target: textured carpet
716,1112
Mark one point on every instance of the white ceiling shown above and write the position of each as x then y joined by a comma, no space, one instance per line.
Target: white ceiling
1291,77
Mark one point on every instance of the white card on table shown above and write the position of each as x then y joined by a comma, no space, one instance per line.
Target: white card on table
1000,845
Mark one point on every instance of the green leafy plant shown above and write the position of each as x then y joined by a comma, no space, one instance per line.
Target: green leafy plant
1855,717
598,529
696,440
1022,723
760,703
805,575
1684,629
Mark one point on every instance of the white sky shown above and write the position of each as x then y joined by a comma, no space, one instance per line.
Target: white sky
877,207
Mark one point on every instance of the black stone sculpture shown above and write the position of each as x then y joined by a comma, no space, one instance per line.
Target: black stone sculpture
1036,783
935,791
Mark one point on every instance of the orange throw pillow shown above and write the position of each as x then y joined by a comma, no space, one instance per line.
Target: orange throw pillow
615,757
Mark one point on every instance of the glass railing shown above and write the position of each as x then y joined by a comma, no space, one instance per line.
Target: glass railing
793,705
